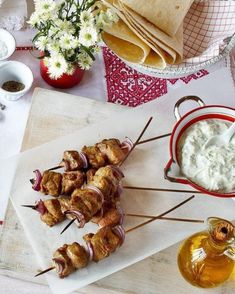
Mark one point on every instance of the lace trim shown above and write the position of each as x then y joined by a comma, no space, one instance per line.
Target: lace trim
12,23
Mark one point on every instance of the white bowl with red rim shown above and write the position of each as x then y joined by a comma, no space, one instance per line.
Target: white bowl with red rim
172,170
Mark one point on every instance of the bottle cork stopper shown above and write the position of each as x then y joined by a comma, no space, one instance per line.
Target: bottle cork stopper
222,231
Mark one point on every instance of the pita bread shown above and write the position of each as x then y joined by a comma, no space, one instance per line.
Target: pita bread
167,15
127,45
155,38
131,48
155,44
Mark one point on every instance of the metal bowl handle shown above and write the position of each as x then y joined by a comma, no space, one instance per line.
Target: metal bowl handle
183,99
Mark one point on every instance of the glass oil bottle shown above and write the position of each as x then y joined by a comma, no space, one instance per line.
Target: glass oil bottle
206,259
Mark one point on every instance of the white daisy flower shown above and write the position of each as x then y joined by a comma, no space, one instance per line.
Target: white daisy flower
87,18
53,47
88,36
57,66
71,69
68,42
41,43
34,19
84,61
45,6
65,26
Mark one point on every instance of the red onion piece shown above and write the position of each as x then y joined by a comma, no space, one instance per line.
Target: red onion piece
84,159
79,216
40,207
117,172
120,232
97,190
118,191
90,250
59,264
37,180
121,212
127,144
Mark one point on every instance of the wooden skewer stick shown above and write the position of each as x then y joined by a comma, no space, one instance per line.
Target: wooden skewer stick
166,218
68,225
161,189
29,206
140,142
134,228
160,215
45,271
137,141
153,139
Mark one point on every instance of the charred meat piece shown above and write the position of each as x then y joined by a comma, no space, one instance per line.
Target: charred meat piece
51,183
111,218
69,258
111,148
72,180
72,161
90,174
52,210
87,202
52,214
106,180
104,242
95,157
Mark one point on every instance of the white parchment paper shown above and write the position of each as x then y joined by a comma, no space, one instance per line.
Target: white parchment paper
143,168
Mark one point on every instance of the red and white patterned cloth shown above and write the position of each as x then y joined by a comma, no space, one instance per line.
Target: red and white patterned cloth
206,26
126,86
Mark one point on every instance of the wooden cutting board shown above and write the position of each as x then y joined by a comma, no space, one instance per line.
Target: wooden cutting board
54,114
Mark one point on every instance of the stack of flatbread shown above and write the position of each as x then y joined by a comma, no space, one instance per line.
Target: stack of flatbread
148,32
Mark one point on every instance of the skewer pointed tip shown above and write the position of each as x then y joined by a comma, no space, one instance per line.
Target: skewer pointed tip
45,271
29,206
68,225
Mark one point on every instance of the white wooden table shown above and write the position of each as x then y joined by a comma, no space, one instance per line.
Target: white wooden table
50,118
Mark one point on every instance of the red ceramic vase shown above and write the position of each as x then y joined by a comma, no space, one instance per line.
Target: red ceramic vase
64,82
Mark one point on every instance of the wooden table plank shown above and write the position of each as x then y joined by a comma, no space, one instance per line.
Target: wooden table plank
52,115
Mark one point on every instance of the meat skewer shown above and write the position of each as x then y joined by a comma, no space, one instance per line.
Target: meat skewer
98,182
84,203
108,151
56,184
70,258
127,144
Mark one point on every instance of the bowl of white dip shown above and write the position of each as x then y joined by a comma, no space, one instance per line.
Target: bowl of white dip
209,170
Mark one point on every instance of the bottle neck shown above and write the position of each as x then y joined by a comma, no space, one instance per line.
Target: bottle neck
215,246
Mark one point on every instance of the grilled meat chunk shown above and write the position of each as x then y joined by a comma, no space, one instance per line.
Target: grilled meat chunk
72,160
71,181
104,242
111,148
95,157
111,218
51,183
87,202
69,258
53,214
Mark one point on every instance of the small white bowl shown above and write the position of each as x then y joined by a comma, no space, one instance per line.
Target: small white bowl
10,42
15,71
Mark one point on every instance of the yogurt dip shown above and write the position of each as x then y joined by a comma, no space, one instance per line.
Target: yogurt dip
212,168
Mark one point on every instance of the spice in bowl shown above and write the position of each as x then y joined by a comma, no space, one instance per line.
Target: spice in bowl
13,86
